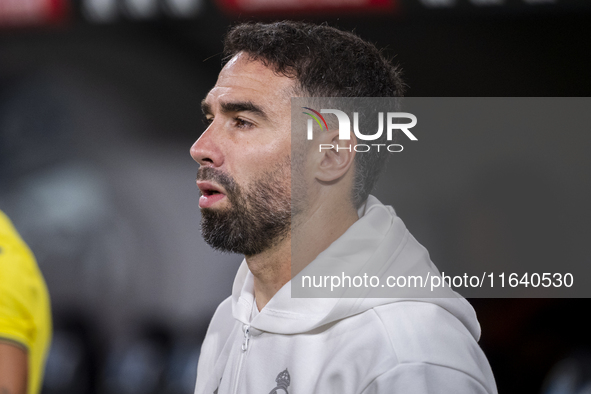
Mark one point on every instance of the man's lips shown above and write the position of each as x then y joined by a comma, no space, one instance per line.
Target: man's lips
210,194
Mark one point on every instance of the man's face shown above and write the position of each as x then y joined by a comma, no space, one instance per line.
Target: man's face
244,154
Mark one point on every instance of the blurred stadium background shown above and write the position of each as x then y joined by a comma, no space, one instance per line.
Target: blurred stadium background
99,104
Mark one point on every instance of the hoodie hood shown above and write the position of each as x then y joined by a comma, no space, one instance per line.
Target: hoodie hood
377,244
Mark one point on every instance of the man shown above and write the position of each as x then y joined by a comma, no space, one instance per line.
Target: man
288,207
25,316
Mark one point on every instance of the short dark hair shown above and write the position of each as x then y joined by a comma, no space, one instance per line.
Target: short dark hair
325,62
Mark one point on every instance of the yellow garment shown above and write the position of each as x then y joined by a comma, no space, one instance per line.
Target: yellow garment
25,315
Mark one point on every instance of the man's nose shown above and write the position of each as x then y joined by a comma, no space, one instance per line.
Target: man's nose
206,150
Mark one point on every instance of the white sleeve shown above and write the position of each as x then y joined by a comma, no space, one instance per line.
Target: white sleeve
423,378
217,336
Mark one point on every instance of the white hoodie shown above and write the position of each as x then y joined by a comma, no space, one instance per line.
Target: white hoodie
346,345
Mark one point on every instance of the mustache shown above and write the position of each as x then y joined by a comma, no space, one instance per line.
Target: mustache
217,176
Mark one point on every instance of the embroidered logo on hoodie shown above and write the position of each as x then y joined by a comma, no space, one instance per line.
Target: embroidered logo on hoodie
282,380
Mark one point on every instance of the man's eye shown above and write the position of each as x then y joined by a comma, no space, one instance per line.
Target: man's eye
242,124
207,121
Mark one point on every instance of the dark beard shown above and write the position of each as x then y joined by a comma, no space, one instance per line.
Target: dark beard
258,217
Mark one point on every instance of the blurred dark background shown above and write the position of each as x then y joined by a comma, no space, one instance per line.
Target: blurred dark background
99,105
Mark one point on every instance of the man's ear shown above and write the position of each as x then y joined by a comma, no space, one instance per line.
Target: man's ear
336,156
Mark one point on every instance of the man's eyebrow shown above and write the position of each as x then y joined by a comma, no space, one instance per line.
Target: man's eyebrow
243,106
205,108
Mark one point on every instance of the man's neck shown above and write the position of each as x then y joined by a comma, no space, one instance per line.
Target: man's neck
310,235
271,270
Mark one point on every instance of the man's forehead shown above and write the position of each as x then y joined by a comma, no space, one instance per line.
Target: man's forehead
245,79
243,60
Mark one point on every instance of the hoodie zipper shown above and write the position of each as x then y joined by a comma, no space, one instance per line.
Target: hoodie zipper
246,338
245,341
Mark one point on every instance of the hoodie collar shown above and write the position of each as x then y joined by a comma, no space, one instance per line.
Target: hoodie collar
378,237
